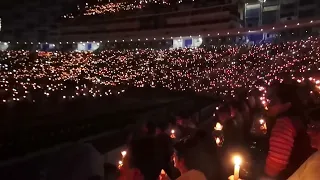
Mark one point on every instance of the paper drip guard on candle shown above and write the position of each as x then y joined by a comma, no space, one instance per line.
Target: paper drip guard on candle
218,127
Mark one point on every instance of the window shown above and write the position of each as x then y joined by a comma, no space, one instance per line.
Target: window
306,13
253,13
269,17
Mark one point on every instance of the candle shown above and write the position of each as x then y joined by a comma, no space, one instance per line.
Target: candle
237,162
261,121
173,134
120,163
123,153
218,127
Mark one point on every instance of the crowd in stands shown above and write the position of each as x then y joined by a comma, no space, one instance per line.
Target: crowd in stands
231,72
137,6
218,71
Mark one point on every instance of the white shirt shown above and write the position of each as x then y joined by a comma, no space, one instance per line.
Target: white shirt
309,170
192,175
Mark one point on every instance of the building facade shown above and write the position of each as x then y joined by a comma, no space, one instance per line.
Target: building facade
265,12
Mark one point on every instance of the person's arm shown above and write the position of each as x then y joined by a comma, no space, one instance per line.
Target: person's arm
280,147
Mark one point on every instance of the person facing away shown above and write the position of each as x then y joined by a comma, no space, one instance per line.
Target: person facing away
289,144
164,151
309,170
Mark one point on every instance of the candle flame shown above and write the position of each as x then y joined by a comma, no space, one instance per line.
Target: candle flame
218,141
261,121
218,127
237,160
172,131
123,153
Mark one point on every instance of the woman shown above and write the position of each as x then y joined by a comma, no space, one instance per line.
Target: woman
289,144
310,168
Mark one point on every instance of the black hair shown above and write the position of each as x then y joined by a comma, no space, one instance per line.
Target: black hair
141,155
185,150
314,114
292,93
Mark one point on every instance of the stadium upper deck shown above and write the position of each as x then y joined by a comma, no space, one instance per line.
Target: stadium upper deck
154,19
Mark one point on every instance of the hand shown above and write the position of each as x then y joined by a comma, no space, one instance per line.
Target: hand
232,178
163,177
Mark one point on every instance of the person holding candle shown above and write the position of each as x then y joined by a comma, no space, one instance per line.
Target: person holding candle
289,144
309,170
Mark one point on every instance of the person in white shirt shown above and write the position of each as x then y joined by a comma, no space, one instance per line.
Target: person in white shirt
310,169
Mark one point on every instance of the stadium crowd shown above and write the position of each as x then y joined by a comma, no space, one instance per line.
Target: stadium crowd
102,7
219,71
248,79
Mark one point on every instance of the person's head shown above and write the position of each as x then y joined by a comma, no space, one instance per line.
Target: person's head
184,154
284,97
314,128
137,162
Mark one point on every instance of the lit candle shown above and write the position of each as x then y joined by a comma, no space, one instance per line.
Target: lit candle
237,161
218,127
123,153
261,121
120,163
173,134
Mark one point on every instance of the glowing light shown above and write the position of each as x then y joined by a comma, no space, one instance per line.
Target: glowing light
218,127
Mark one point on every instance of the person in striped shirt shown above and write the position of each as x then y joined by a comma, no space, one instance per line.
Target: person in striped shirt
310,168
289,144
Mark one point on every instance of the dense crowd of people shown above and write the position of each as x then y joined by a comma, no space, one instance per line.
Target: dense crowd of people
272,83
102,7
219,71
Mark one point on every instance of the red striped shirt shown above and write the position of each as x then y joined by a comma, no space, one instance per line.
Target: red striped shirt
280,146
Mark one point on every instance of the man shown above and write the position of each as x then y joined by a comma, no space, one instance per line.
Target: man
189,159
309,170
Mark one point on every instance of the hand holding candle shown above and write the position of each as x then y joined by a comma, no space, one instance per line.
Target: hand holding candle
237,161
263,126
120,164
172,135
